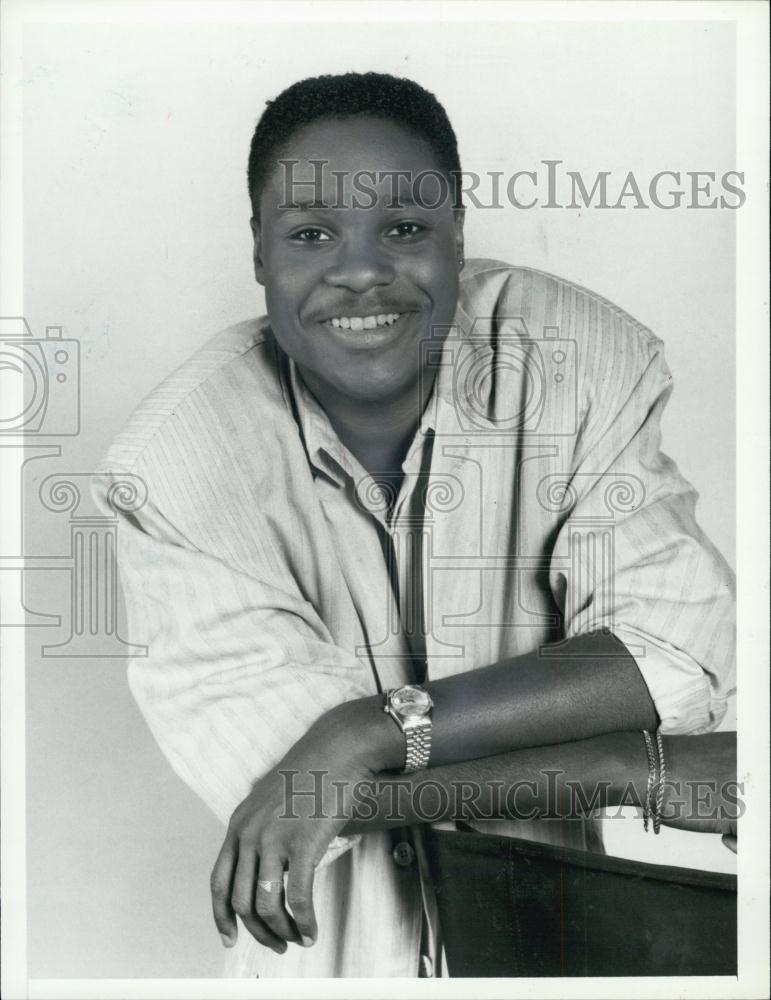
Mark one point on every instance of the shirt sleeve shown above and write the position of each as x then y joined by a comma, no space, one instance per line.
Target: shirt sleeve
236,669
640,565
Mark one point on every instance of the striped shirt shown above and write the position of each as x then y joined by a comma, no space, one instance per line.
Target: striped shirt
271,578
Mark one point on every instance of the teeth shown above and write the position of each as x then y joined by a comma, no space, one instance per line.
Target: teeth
364,322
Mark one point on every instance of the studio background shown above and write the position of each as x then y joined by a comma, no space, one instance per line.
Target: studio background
136,242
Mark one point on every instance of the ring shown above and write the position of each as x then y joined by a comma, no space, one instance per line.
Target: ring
270,886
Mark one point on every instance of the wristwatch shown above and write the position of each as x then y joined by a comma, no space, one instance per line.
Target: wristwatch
410,708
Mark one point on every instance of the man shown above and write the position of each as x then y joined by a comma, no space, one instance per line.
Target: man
415,470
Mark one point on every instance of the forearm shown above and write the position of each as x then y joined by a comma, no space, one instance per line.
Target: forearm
567,780
591,688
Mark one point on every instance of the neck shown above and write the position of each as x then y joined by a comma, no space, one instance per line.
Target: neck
377,432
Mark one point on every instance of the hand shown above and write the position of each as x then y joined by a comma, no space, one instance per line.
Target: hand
730,841
273,830
703,806
722,819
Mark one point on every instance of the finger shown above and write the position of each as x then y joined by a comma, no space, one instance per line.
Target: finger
262,933
730,842
269,900
299,893
242,898
220,885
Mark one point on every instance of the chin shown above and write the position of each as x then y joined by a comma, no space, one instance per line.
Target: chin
379,390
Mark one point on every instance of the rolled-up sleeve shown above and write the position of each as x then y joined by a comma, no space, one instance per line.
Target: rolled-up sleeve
687,699
236,669
642,567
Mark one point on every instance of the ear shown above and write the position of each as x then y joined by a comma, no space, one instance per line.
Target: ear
460,217
259,270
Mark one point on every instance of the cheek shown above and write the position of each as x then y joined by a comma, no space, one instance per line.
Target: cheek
287,288
290,274
440,280
437,272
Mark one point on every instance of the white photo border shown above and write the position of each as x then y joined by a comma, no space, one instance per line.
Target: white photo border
752,322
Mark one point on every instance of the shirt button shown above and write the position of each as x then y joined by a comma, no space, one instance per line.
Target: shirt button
404,854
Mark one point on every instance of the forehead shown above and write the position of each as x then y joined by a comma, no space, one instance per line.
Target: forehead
335,156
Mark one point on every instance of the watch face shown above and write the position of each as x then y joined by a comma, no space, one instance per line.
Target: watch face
411,702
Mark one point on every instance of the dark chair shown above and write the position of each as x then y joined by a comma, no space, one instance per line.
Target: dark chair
510,907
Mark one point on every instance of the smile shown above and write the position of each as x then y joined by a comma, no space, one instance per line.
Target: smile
363,322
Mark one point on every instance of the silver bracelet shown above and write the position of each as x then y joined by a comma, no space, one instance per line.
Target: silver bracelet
660,789
651,778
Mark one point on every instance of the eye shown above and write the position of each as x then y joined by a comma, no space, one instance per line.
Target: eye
310,235
407,230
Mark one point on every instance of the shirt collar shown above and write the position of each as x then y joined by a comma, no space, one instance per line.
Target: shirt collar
326,452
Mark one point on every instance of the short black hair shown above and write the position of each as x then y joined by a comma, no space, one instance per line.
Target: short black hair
376,95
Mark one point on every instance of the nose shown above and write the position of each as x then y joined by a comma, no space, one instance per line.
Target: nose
359,266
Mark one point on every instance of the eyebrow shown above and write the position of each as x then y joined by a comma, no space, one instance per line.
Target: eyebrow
313,205
303,206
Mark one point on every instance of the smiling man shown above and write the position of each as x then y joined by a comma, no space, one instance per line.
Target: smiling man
415,519
355,284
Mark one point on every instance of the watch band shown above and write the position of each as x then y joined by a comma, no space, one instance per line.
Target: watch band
417,736
417,728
